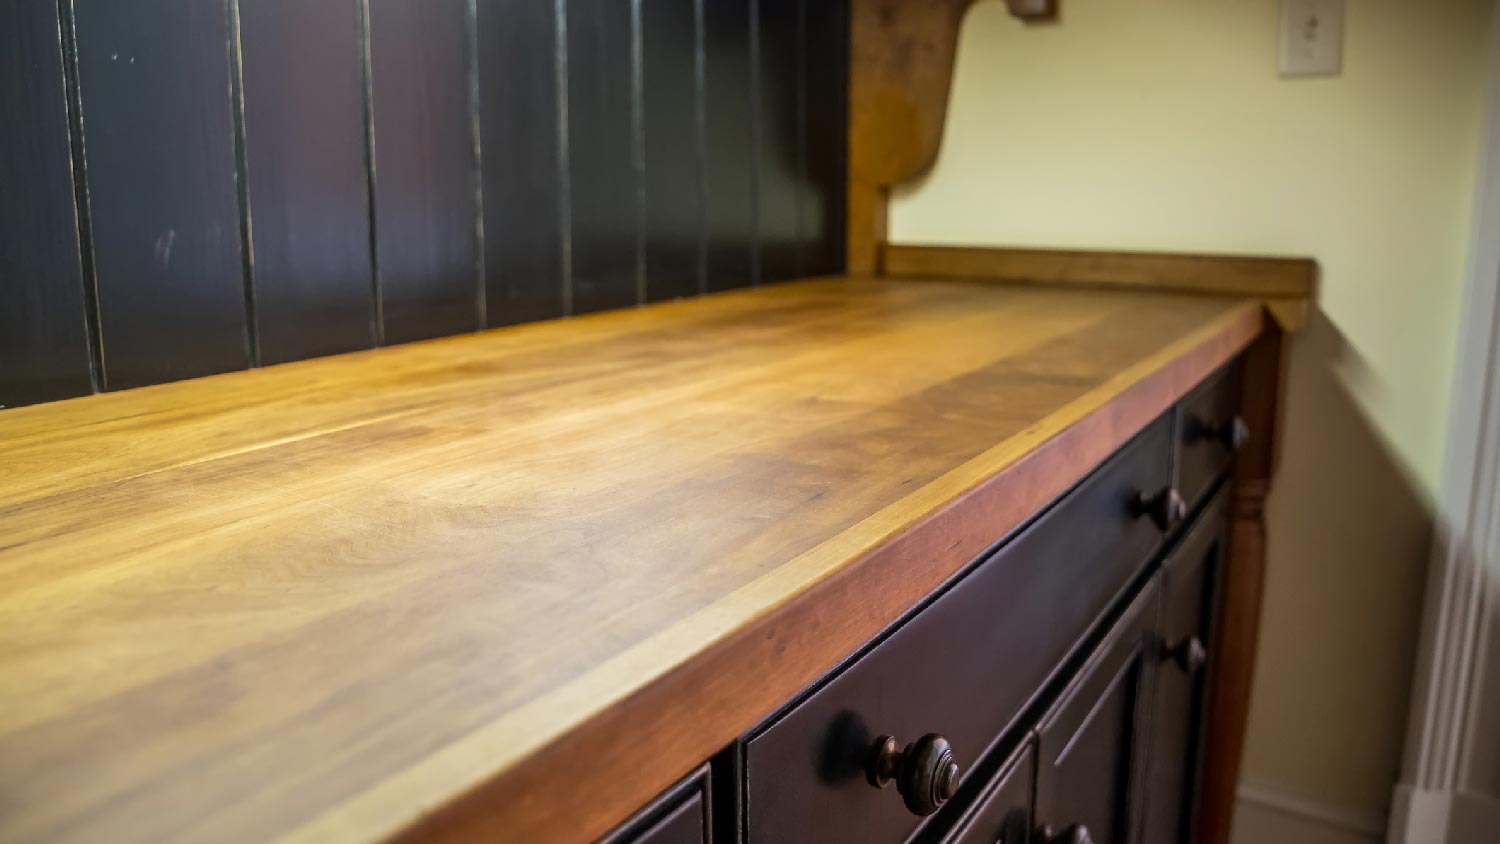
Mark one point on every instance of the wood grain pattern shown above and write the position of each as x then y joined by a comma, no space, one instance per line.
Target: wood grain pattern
44,346
452,590
158,128
306,177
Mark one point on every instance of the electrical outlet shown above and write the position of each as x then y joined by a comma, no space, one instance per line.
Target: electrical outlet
1312,38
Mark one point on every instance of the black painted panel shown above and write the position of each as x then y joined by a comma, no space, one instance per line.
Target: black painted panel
425,211
805,780
307,176
628,170
780,154
605,190
826,110
158,128
673,147
518,119
729,160
44,353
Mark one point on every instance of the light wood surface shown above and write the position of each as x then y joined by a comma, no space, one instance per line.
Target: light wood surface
508,586
1286,285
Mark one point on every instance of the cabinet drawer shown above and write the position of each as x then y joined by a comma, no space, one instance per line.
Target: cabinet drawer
1002,814
1209,432
964,667
1189,582
1087,754
679,816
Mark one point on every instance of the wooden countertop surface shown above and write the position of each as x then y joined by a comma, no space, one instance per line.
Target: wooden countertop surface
508,586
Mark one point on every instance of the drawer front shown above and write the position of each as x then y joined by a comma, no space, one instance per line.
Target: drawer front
1189,583
1209,431
1002,814
1088,745
678,817
964,667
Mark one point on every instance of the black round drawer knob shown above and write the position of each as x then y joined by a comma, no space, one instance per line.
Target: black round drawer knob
1166,508
1075,834
1232,434
925,772
1189,654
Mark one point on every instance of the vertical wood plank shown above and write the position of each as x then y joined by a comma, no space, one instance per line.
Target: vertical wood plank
424,168
781,138
673,148
44,351
605,201
518,120
306,176
729,159
825,63
154,85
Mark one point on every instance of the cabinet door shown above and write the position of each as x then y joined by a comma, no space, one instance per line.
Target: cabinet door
1088,744
1002,814
680,816
1189,580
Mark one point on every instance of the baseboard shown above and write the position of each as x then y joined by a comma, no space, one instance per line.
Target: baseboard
1443,817
1263,816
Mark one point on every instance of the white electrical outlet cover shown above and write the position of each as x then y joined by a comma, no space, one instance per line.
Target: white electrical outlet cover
1312,38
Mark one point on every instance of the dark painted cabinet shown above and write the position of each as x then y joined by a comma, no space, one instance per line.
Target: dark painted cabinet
1088,743
1051,693
1002,813
996,636
680,816
1183,643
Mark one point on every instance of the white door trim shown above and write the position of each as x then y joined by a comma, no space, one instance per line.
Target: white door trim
1450,687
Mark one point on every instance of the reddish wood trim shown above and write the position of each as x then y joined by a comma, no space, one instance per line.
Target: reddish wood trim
1237,275
1244,588
803,638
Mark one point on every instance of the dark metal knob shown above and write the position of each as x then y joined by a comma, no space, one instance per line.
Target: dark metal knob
1233,434
1075,834
925,771
1189,654
1166,508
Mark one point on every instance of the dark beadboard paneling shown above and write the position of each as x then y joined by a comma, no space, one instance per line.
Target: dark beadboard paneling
780,156
306,176
673,148
44,352
425,211
267,180
158,130
729,162
826,116
518,118
605,189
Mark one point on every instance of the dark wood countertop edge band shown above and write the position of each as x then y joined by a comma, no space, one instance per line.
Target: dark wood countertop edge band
1224,275
582,783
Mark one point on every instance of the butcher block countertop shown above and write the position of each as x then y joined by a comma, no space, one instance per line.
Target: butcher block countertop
508,586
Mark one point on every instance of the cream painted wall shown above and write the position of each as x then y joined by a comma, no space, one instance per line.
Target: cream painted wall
1161,124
